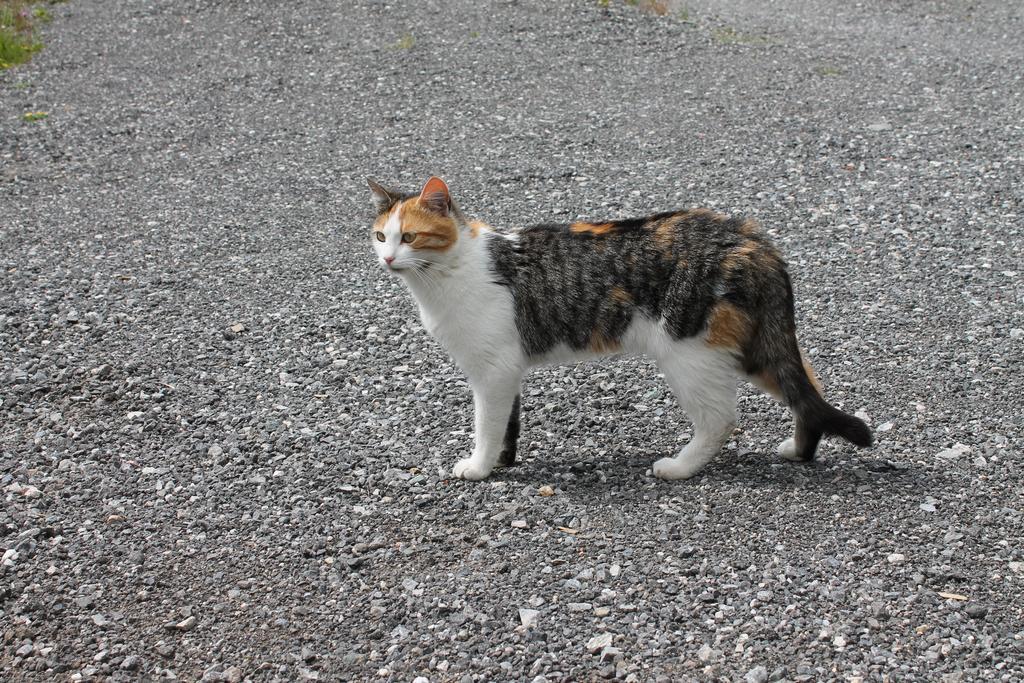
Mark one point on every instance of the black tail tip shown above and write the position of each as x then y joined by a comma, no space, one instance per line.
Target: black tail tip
853,429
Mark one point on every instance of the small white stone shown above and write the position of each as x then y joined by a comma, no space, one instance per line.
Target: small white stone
599,642
528,617
955,451
706,653
186,624
758,674
896,558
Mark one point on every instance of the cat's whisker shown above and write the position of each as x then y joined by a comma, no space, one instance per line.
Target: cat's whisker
426,281
423,276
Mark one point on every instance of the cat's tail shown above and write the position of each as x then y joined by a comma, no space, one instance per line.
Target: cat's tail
773,360
813,415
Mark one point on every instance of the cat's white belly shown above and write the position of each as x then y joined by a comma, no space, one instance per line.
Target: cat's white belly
563,353
649,338
643,337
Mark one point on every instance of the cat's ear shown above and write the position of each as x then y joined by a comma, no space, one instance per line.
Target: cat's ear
383,198
435,197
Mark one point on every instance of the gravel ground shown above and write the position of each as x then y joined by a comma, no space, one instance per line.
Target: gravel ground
225,439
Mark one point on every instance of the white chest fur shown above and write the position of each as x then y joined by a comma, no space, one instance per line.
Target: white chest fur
467,312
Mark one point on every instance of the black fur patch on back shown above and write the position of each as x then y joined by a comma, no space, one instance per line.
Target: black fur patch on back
583,287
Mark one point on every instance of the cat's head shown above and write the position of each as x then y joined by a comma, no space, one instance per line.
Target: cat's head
414,230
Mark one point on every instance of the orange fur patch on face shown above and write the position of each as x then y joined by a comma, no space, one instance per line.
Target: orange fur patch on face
432,230
728,326
592,228
619,295
601,344
748,227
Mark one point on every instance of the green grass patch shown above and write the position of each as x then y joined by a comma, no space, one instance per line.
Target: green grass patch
727,35
828,71
31,116
406,42
18,22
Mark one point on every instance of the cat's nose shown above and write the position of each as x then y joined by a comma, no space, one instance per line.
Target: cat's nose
389,259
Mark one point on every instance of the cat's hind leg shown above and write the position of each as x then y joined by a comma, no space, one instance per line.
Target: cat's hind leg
704,382
813,417
803,441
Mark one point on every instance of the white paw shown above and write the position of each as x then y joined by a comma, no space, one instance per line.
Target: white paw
673,468
470,469
787,449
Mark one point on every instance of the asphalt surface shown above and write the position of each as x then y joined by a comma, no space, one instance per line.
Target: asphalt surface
225,439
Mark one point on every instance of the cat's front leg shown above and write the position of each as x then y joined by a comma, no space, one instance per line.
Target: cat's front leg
493,399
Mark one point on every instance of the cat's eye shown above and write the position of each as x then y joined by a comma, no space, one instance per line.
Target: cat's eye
408,237
379,235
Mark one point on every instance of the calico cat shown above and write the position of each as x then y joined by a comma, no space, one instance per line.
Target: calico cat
706,296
